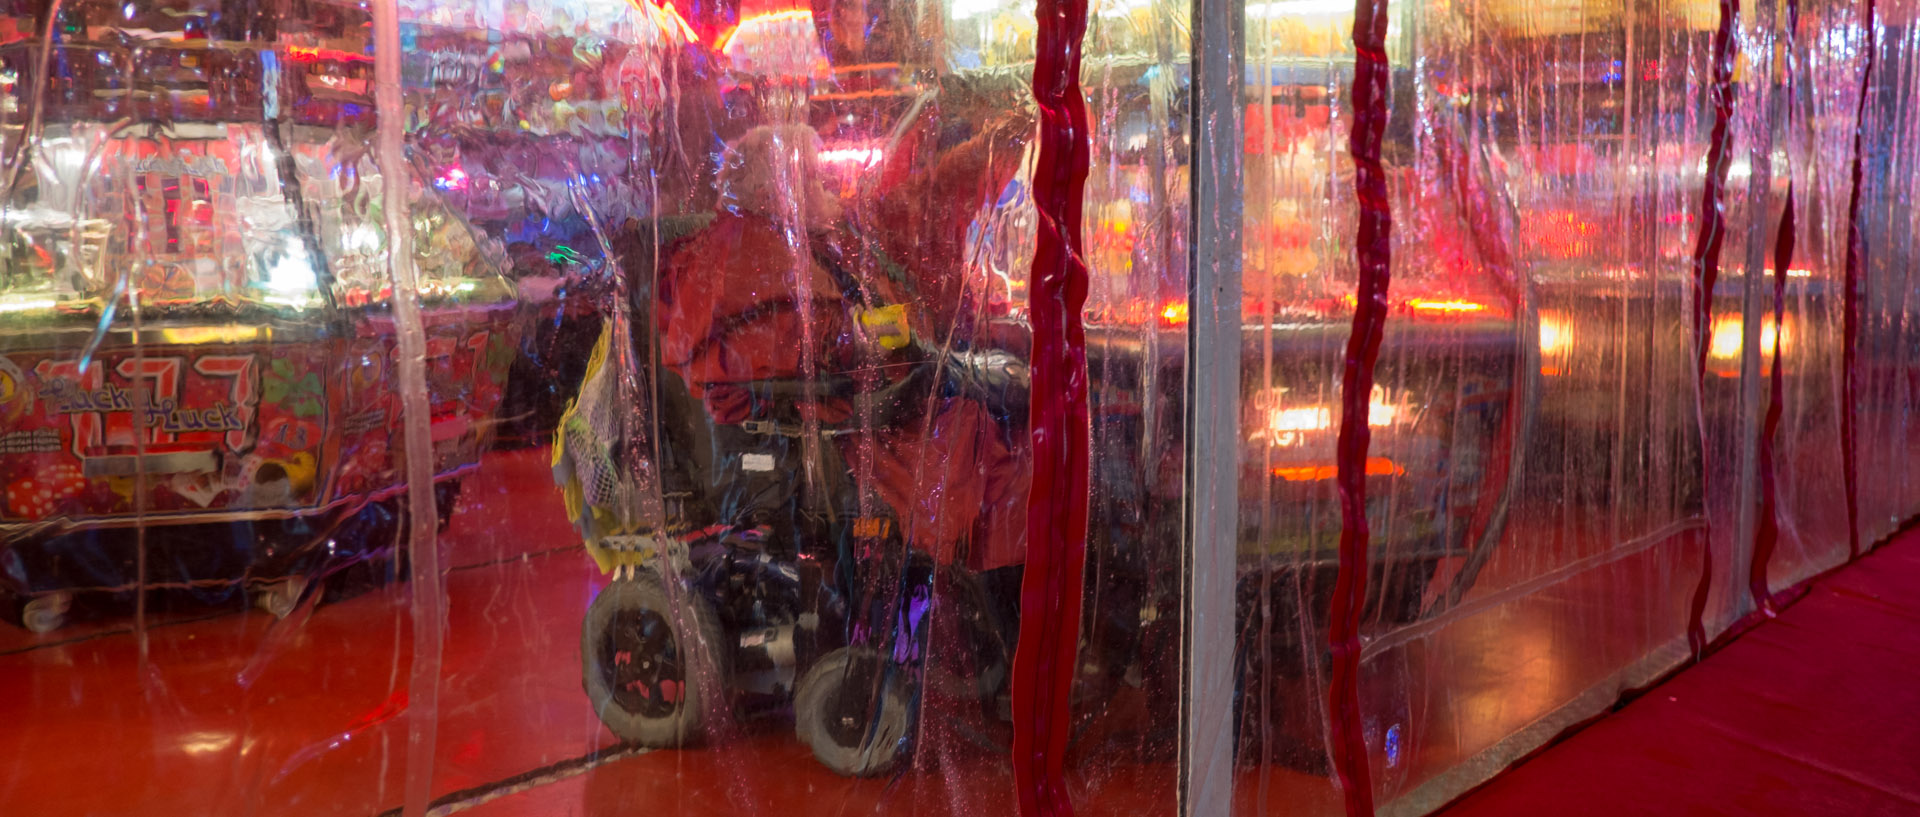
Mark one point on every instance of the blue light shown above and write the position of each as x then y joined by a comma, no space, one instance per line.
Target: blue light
1393,746
452,179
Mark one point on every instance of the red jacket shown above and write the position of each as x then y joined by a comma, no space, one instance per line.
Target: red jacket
745,300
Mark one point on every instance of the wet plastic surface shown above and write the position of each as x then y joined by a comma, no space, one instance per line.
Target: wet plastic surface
580,405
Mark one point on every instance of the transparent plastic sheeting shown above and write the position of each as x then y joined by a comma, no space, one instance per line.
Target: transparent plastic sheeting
1555,461
722,315
697,337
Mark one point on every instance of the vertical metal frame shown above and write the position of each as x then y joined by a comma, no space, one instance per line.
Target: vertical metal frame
1754,284
1214,338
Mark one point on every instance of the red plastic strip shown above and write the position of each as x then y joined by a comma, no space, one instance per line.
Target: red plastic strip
1043,666
1706,271
1374,254
1767,533
1850,315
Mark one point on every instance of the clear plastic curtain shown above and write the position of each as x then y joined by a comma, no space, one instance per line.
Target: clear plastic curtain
588,406
1564,479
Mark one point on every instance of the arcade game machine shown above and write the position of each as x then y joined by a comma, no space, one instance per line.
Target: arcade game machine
196,340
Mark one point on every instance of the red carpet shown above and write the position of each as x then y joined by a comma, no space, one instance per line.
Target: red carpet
1815,713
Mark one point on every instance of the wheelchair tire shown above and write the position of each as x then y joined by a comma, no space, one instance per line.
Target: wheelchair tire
42,615
853,711
648,670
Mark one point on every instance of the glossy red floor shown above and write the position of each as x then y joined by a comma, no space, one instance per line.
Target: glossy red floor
236,713
1814,713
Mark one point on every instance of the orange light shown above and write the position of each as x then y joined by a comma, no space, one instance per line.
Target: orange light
1175,313
1376,467
1383,467
866,67
1306,473
1444,306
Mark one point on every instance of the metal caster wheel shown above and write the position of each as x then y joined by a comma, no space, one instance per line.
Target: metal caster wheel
853,710
45,614
281,597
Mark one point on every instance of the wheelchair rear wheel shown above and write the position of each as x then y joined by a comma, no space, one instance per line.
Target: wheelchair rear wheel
650,666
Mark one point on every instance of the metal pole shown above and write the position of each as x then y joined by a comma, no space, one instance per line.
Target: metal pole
1213,409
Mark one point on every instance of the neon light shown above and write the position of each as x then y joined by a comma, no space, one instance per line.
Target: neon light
1381,414
1556,334
1376,467
210,334
1444,306
1729,335
1281,421
725,43
453,179
1301,8
303,53
867,157
1175,313
1725,343
866,67
874,94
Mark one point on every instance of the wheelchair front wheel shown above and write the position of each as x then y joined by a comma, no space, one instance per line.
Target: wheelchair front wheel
853,710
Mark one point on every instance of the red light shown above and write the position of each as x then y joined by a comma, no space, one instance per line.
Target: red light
301,53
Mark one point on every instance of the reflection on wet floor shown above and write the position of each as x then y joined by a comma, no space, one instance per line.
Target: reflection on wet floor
311,713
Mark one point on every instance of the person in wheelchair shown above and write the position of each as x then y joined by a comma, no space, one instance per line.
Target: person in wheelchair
778,289
771,291
817,408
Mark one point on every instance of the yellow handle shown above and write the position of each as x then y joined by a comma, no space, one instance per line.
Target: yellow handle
888,324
